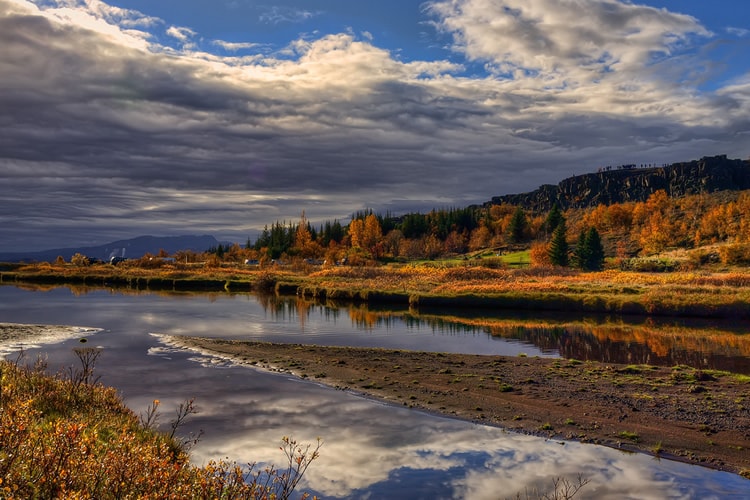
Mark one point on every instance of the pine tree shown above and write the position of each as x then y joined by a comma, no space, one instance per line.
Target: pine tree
595,250
581,252
554,218
558,247
589,252
517,226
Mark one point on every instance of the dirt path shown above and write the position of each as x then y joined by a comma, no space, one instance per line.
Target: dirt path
677,413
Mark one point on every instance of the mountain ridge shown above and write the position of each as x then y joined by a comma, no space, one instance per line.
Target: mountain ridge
133,247
632,183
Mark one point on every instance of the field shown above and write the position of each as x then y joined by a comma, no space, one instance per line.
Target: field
484,283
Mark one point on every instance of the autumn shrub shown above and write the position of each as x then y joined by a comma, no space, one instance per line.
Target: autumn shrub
539,254
66,436
80,260
650,265
735,253
471,273
492,263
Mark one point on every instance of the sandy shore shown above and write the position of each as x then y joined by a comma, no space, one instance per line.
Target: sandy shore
15,336
676,413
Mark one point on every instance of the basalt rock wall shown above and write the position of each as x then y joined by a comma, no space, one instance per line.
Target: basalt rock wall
631,183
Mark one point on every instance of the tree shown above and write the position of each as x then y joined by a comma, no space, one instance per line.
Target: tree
558,247
581,251
589,252
554,218
595,250
302,237
372,233
356,232
518,225
480,238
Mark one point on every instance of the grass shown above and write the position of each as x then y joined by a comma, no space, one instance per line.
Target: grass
517,259
475,283
66,436
630,436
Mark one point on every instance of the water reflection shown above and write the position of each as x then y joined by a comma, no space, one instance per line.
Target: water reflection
371,450
717,345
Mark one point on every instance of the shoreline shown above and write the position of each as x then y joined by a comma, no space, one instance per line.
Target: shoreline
676,413
722,296
20,336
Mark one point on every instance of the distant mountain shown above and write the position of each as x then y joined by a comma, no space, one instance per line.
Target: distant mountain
133,248
636,183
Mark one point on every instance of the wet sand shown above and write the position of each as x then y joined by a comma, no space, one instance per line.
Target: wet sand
15,336
676,413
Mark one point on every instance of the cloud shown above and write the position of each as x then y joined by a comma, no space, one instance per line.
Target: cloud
101,119
472,461
181,33
559,39
234,46
739,32
280,14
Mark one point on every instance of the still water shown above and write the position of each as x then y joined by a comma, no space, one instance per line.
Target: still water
370,450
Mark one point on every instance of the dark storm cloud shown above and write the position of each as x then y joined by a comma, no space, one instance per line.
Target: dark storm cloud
106,134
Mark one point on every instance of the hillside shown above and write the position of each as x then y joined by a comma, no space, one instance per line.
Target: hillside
135,247
632,183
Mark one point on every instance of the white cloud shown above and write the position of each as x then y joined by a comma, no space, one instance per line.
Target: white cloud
740,32
338,120
278,15
560,39
234,46
181,33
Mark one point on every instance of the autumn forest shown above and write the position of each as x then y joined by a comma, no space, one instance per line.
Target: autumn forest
694,229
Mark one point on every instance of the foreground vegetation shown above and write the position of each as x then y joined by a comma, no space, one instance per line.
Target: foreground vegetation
68,437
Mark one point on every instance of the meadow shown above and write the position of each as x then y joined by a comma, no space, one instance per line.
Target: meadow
477,283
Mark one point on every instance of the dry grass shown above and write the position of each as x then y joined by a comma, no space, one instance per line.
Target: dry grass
68,437
699,293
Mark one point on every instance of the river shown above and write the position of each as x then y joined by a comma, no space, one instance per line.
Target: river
370,450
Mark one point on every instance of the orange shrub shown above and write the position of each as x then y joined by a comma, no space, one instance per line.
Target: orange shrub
539,254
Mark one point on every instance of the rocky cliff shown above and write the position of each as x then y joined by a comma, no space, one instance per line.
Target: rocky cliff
631,183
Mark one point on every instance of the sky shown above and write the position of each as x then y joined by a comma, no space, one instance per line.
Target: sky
218,117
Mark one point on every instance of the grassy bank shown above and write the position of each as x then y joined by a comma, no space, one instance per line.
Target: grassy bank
69,437
710,294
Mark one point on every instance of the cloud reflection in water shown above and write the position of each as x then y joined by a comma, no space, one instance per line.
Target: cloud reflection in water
377,450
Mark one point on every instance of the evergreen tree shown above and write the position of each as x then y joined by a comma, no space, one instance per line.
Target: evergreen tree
589,252
558,247
554,218
581,252
517,226
595,250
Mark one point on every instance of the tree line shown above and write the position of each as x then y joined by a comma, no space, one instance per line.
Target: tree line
580,238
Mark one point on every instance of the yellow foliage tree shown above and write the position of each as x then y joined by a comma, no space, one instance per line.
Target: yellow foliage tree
356,233
372,233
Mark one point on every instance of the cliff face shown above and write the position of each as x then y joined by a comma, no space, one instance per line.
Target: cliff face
629,183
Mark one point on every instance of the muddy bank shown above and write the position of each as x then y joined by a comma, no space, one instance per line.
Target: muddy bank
15,336
677,413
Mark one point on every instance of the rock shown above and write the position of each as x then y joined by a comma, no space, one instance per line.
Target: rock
630,183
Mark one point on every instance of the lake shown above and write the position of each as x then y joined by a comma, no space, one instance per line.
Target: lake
371,449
